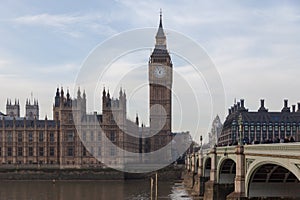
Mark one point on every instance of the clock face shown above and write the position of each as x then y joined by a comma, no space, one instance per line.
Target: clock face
159,71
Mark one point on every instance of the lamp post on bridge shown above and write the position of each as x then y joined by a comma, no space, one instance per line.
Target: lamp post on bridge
200,188
201,143
240,123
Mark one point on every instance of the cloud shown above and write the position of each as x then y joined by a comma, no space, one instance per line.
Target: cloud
72,24
61,68
4,62
49,20
253,44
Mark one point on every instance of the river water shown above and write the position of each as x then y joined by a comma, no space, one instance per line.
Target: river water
89,190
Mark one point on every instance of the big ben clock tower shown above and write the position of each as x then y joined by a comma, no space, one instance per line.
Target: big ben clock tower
160,85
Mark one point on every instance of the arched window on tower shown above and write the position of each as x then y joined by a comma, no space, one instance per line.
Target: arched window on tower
112,136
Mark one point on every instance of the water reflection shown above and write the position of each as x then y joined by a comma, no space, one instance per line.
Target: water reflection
92,190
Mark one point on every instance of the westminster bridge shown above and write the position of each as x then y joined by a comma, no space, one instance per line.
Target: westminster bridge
245,171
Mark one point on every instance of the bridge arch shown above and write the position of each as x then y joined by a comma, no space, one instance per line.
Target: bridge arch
206,166
272,179
226,170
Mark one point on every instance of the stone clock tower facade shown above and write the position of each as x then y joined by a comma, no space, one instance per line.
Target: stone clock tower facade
160,85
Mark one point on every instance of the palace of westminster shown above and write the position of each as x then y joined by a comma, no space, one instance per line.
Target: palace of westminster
74,138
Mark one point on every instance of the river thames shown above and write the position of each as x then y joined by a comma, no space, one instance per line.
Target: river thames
91,190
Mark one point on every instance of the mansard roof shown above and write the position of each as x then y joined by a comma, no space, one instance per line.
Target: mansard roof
262,117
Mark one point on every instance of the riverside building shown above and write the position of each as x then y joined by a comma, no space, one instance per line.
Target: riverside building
261,126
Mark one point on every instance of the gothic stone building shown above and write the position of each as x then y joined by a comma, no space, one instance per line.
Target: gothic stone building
260,126
27,141
74,138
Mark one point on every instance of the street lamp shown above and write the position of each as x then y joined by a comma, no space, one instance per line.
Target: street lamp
240,123
201,142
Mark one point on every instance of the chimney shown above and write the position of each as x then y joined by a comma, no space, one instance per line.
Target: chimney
298,107
262,103
238,105
242,103
285,108
294,108
262,106
229,111
285,103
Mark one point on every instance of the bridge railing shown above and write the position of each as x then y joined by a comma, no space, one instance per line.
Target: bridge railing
286,149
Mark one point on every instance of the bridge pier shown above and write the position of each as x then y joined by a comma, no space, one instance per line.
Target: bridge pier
189,174
199,179
193,163
213,170
188,162
194,175
214,190
239,181
211,187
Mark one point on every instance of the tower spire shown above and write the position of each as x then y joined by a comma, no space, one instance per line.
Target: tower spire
160,35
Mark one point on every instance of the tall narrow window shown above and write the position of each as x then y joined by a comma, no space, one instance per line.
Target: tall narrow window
70,151
99,151
9,151
282,127
41,151
70,117
92,136
30,137
51,151
270,127
258,127
20,151
112,151
112,136
70,136
20,136
51,137
41,136
30,151
84,151
9,137
92,150
99,136
84,136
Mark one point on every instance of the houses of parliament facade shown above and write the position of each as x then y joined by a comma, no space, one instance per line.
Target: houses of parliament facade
74,138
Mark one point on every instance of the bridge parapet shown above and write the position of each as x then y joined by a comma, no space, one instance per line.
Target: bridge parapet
288,150
226,150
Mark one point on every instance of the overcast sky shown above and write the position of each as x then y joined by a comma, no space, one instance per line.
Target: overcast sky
254,45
